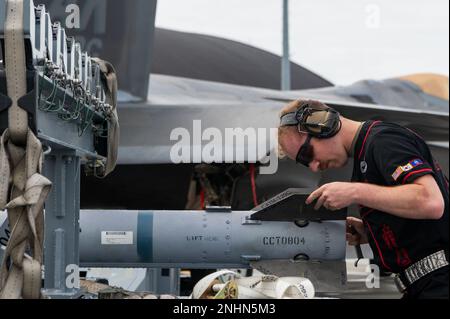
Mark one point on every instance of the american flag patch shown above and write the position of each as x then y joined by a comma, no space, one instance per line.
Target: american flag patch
406,168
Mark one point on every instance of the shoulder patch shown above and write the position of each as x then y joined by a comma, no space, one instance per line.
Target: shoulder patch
406,168
416,162
397,173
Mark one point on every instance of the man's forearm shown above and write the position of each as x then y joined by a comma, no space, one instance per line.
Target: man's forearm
407,201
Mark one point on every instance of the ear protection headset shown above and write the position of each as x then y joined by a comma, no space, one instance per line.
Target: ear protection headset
318,122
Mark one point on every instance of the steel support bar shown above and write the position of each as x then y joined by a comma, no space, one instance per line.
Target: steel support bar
62,228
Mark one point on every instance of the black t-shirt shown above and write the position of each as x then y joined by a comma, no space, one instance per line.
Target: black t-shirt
387,154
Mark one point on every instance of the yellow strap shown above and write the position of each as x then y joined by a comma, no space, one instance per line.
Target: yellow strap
255,287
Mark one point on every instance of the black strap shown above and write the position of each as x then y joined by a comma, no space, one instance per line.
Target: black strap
289,119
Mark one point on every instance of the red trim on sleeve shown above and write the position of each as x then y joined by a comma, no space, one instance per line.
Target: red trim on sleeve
365,138
202,198
378,247
253,184
416,172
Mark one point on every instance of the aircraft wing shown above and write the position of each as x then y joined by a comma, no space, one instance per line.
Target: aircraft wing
177,102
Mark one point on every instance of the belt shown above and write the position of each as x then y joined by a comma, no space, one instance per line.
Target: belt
418,270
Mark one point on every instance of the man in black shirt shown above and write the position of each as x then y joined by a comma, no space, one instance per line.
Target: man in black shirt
400,189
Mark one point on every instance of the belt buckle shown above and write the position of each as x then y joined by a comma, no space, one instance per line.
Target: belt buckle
399,283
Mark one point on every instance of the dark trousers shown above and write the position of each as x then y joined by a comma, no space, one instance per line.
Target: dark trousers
433,286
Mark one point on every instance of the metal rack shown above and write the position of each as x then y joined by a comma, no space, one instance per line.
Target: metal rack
68,112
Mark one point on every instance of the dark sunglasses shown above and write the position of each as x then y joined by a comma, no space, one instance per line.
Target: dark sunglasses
306,153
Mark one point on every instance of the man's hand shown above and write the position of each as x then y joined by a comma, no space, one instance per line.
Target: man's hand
356,234
334,196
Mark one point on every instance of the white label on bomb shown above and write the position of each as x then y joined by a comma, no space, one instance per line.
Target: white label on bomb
117,238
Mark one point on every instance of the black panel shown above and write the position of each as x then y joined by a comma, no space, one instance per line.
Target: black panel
290,206
137,187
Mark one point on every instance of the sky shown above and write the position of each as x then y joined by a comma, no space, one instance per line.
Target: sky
342,40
